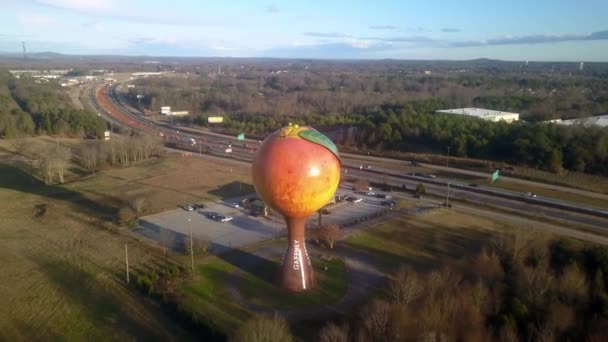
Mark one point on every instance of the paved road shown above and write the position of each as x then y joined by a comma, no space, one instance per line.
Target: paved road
483,175
486,200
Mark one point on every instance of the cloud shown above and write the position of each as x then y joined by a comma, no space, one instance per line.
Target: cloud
418,29
533,39
271,8
383,27
122,10
82,6
402,39
450,29
38,20
326,34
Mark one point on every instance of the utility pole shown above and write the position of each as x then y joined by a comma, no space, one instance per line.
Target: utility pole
166,268
191,247
447,165
200,152
127,261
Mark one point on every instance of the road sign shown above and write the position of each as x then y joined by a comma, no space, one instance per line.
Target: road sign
240,136
495,176
215,119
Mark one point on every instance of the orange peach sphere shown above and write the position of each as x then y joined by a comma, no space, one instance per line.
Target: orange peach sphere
293,175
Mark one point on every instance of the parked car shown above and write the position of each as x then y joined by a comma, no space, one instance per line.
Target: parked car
353,199
197,206
384,196
188,208
370,193
389,203
234,205
211,215
221,218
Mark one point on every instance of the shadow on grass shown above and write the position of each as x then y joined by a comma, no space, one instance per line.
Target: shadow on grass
233,189
255,265
99,306
14,178
423,247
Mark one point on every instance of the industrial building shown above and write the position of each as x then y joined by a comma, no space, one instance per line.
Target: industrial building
485,114
601,121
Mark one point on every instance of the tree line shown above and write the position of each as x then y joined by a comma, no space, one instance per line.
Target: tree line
342,89
518,288
31,106
412,126
50,161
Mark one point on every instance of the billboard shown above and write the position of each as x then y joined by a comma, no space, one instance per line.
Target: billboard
215,119
240,136
165,110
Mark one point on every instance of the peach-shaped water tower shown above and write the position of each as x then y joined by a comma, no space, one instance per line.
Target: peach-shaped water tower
296,171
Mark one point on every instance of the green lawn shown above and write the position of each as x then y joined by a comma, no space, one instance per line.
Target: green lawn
207,297
331,286
424,241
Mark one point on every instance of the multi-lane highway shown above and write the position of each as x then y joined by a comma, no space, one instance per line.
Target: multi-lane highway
105,100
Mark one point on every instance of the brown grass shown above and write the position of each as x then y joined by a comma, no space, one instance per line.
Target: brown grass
63,260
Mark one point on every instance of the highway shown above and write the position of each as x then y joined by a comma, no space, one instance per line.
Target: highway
104,99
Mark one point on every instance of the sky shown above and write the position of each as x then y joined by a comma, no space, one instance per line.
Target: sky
544,30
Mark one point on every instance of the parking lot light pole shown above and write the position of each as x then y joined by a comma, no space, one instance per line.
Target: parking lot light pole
447,166
191,246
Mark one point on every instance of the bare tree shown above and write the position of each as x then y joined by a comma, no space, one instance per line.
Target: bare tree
89,155
487,265
264,329
139,205
573,283
377,318
334,333
361,184
406,286
314,234
480,294
330,234
61,156
508,333
537,282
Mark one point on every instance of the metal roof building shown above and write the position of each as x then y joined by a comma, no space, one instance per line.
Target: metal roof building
485,114
601,121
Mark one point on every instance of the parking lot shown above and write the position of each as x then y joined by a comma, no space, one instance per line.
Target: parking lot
173,228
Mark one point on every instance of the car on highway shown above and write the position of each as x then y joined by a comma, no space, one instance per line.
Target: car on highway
234,205
370,193
383,196
222,218
353,199
530,194
389,203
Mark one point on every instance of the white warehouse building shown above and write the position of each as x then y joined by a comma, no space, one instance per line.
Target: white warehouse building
486,114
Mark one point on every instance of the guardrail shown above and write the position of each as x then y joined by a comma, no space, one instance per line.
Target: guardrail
503,194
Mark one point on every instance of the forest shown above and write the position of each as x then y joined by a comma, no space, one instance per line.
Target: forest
29,106
339,90
414,127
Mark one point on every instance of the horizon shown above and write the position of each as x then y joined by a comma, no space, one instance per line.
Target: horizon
542,31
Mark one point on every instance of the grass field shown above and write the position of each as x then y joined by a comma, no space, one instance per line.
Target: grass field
426,241
63,259
331,286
